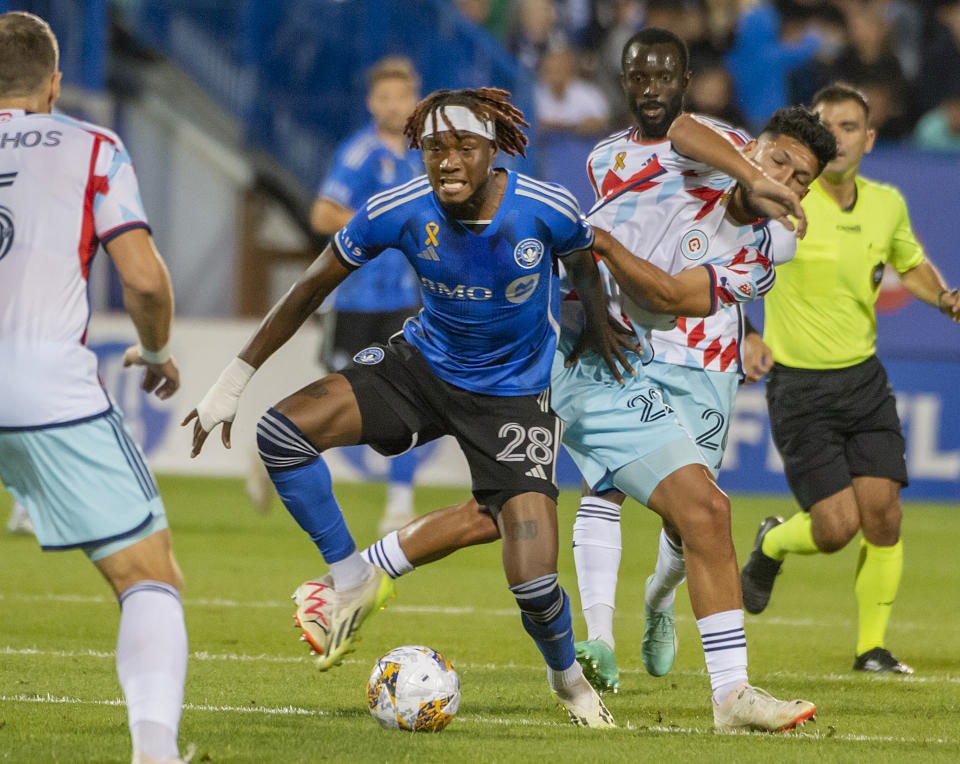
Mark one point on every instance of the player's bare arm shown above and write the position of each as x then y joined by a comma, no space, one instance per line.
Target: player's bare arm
685,294
926,283
327,216
767,197
598,336
148,299
304,297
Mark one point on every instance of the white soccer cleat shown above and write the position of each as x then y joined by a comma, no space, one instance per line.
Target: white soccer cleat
330,619
750,708
584,705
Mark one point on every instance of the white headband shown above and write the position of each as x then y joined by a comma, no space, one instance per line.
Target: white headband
461,119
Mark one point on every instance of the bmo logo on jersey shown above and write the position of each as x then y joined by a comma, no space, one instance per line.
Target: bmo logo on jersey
694,244
528,253
458,292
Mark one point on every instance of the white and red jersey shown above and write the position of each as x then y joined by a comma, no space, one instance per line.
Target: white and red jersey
66,186
671,210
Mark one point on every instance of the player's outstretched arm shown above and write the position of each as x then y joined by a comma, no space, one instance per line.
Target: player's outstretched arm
222,400
148,299
927,284
598,336
652,288
702,142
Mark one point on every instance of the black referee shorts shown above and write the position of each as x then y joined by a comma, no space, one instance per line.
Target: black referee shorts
833,425
510,442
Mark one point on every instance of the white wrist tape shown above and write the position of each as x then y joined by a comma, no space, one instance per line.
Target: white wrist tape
222,400
155,357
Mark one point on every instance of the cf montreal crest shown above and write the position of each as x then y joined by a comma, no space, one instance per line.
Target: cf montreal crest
369,356
528,253
6,231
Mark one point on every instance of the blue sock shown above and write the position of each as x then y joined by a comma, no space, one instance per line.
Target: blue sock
403,466
303,482
545,612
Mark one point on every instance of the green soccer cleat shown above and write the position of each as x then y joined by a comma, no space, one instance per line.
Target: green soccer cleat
599,665
658,648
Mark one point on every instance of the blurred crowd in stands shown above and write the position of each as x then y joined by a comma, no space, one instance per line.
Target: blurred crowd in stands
748,57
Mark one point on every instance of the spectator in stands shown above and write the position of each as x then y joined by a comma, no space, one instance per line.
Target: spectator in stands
372,303
868,62
711,93
941,56
493,16
536,32
566,102
939,128
760,60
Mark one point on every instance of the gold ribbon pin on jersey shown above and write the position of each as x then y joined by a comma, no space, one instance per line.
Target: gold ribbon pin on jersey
432,229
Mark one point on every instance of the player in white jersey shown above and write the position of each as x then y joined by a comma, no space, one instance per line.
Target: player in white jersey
65,453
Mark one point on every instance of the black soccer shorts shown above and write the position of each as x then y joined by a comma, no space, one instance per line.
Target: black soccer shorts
510,442
833,425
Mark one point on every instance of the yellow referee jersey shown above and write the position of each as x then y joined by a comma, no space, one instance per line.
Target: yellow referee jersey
819,314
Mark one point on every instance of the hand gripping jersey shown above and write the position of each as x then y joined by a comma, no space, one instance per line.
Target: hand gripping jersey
489,317
65,187
671,210
365,166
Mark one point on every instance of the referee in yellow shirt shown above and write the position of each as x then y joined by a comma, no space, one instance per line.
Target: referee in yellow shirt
832,410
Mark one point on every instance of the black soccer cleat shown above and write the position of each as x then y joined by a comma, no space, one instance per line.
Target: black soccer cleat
757,576
880,661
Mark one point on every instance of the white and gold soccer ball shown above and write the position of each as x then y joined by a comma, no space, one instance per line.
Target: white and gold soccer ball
413,688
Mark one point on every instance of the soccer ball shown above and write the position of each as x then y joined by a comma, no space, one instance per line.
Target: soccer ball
413,688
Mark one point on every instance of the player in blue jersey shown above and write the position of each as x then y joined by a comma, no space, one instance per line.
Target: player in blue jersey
373,302
623,438
475,363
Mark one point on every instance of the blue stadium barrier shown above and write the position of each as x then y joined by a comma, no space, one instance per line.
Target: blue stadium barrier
293,72
81,29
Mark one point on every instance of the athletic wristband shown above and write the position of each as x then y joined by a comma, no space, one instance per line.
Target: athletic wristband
222,400
940,299
155,357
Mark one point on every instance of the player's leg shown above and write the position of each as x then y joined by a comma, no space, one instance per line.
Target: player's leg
689,500
511,445
528,527
291,437
596,555
808,424
19,522
879,569
102,498
151,641
702,400
432,537
399,507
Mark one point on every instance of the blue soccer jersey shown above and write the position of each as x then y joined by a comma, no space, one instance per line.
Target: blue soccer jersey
365,166
489,317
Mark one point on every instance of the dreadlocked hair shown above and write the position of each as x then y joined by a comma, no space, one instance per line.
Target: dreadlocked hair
489,104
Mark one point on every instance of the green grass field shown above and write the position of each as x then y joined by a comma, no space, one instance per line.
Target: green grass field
253,696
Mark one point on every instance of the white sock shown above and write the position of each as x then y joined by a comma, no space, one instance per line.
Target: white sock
725,651
599,620
596,553
561,679
349,572
668,574
152,665
399,499
387,555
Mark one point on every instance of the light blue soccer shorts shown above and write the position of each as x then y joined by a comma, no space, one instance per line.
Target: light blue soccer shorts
704,402
85,484
609,425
